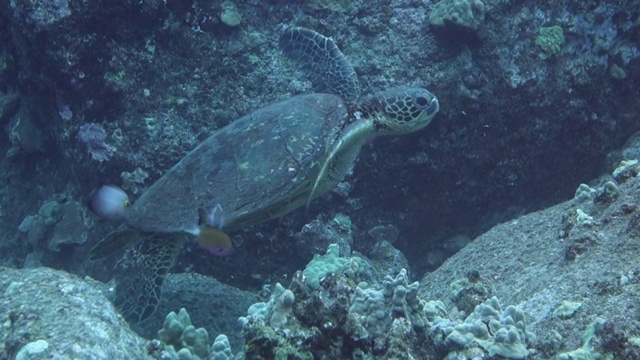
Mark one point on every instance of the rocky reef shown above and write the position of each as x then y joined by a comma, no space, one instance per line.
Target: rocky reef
335,307
49,314
507,229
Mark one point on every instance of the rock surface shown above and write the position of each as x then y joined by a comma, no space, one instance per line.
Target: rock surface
543,260
49,314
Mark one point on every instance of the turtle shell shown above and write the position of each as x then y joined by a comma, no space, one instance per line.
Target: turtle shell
257,168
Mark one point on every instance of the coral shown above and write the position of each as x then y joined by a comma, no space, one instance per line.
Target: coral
42,14
339,319
584,192
626,169
206,299
271,330
72,228
340,6
59,223
469,292
385,256
322,265
36,232
276,311
263,342
434,310
333,317
230,14
607,193
24,134
376,308
398,340
50,212
182,339
582,218
32,350
387,233
221,349
317,235
550,40
93,136
324,322
498,332
464,13
134,181
282,309
587,350
567,309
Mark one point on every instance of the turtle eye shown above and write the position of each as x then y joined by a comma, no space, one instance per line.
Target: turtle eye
422,101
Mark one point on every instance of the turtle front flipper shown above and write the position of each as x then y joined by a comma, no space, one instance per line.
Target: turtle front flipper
326,67
141,273
113,242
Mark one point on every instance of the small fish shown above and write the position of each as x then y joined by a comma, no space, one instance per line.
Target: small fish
109,202
210,235
215,241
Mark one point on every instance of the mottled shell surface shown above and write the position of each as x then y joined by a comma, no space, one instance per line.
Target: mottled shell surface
257,168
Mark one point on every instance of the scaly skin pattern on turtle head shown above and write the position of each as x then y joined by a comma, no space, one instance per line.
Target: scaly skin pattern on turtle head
399,111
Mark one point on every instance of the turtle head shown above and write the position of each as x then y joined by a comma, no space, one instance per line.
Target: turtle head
401,110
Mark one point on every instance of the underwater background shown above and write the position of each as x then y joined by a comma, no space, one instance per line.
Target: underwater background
507,228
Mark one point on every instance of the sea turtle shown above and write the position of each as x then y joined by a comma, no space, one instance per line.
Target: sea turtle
261,166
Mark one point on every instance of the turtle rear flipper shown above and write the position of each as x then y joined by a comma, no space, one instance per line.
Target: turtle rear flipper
113,242
141,273
326,66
